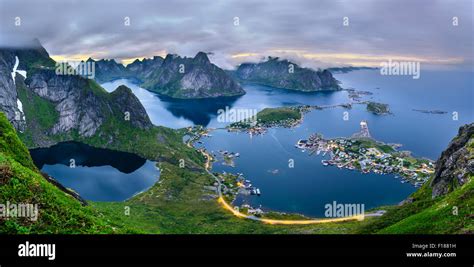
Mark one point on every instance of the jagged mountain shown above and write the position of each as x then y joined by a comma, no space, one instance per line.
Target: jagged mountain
108,70
182,77
55,107
281,73
142,70
174,76
60,107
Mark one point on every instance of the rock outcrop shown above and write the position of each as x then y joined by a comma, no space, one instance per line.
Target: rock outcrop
456,163
281,73
128,104
83,105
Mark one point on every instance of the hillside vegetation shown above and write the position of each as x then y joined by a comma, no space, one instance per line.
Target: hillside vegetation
22,183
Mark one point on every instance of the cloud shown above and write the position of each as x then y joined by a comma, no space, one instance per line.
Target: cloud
294,29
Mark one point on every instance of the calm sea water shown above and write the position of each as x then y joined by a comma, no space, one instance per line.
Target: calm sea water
97,174
308,186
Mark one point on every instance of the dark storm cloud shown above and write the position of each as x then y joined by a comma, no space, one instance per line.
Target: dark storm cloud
300,29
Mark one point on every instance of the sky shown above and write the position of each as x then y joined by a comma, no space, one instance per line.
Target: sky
309,32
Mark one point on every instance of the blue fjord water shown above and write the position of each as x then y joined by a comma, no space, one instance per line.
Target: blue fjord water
308,186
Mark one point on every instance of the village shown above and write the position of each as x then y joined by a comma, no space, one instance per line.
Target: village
360,152
234,185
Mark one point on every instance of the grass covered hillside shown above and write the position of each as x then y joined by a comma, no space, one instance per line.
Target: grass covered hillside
272,115
449,214
444,204
22,183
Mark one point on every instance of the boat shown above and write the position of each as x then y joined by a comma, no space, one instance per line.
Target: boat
258,191
324,162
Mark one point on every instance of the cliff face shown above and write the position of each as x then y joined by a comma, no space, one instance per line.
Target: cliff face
45,105
191,78
76,106
287,75
8,96
455,164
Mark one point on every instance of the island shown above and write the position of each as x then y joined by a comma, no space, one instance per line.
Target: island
271,117
349,69
430,111
378,108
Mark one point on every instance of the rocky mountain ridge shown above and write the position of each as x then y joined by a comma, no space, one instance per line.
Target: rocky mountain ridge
173,76
183,77
81,105
281,73
456,163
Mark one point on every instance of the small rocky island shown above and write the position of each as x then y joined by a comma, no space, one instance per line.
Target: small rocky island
430,111
378,108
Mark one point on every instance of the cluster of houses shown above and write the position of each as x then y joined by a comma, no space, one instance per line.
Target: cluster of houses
348,153
249,209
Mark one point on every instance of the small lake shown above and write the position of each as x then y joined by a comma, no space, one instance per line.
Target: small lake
96,174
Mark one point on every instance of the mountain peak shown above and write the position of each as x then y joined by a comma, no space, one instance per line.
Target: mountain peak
201,57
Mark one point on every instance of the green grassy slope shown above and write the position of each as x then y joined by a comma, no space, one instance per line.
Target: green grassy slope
21,182
269,115
179,204
428,216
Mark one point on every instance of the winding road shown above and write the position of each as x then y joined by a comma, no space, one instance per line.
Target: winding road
239,214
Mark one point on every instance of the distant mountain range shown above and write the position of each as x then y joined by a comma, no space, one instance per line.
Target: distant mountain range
281,73
197,77
192,78
349,69
174,76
